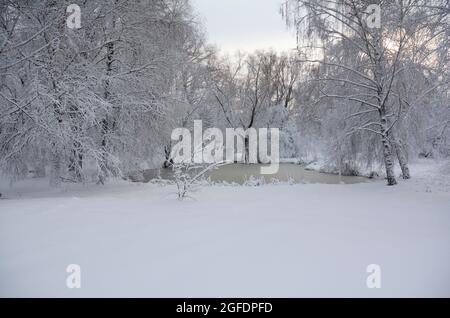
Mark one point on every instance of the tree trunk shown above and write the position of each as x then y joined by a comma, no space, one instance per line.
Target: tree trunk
55,176
76,162
105,169
402,159
387,151
247,150
168,162
389,163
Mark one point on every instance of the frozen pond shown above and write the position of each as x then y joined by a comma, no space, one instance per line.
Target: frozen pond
239,173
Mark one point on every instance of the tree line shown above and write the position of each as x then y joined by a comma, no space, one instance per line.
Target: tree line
99,101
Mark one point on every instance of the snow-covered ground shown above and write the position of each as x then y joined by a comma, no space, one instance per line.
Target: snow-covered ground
270,241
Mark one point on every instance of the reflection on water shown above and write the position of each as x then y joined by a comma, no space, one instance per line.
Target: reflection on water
240,173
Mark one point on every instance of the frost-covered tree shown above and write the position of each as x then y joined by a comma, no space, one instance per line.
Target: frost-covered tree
94,102
257,91
361,67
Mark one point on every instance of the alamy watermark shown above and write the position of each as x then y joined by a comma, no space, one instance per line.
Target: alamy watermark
373,18
374,278
73,21
240,146
73,280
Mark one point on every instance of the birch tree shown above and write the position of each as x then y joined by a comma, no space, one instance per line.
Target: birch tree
362,63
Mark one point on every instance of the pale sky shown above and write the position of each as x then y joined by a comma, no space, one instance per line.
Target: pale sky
245,24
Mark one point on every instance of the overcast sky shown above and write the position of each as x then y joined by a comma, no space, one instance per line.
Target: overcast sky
245,24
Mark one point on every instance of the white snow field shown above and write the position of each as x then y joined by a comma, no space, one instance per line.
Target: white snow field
136,240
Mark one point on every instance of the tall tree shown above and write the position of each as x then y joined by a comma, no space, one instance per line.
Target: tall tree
361,62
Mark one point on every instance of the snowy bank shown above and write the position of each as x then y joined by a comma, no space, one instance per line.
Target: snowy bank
270,241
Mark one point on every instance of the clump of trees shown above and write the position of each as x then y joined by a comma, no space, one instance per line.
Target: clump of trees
257,91
377,91
92,102
100,101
